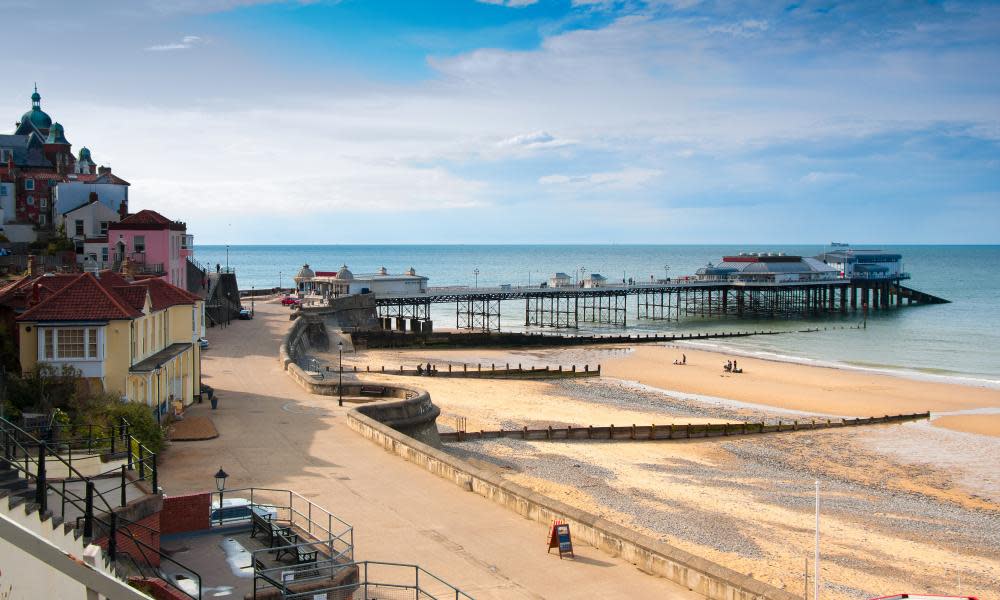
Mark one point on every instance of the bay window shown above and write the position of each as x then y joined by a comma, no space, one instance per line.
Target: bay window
70,343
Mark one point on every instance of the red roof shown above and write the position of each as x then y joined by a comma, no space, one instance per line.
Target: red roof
20,294
106,296
147,219
133,295
164,294
326,273
84,299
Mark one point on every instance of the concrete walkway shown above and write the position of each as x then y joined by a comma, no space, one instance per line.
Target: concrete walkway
274,434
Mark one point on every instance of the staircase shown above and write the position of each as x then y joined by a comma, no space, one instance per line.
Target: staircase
44,492
917,296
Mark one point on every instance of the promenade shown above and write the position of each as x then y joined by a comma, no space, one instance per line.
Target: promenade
274,434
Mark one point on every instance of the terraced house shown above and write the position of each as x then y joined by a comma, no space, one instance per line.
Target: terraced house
136,338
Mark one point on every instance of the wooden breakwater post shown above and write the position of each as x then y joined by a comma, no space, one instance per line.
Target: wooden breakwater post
689,430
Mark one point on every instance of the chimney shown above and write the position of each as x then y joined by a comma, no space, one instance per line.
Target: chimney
34,269
122,211
35,297
93,196
102,170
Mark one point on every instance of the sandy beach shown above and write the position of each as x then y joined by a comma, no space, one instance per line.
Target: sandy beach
908,507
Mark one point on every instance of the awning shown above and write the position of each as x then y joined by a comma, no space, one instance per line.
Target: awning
159,359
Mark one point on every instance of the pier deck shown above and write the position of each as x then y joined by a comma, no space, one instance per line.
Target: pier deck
567,307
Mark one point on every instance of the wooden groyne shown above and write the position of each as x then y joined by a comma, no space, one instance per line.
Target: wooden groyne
672,432
480,371
398,339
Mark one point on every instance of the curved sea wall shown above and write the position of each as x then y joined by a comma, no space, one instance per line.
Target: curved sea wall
410,410
650,555
405,426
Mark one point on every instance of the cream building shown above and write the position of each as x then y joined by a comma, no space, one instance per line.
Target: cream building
138,339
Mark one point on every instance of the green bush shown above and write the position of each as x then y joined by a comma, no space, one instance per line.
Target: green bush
142,423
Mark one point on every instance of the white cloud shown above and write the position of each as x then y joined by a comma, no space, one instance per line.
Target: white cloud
626,178
509,3
826,177
746,28
188,41
534,141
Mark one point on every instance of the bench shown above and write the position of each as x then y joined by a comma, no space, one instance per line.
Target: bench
289,541
264,524
372,390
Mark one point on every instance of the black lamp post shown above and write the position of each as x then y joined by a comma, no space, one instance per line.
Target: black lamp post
220,484
253,293
340,384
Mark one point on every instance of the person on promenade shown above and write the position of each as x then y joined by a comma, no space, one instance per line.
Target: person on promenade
420,368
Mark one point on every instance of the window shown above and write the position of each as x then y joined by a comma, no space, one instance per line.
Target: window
70,343
31,200
104,254
79,227
139,243
104,228
4,156
43,202
29,184
3,190
42,220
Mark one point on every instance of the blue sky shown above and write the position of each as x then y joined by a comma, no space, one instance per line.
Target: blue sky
645,121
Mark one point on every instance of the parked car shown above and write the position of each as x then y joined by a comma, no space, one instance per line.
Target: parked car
290,301
203,343
235,510
245,314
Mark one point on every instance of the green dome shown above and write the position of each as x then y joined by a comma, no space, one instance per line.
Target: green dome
36,116
84,154
56,135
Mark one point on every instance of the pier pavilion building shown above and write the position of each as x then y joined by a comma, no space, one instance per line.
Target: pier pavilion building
344,282
768,267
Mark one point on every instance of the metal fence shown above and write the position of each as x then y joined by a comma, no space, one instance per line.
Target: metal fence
387,581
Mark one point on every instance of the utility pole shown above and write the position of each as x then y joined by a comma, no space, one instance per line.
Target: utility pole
816,558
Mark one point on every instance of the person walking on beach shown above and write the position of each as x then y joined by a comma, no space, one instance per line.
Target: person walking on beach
684,359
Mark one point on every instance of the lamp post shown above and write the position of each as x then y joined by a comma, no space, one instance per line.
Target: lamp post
340,381
227,258
476,273
220,484
252,293
666,272
582,271
279,282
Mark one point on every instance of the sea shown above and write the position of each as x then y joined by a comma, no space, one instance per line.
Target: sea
957,342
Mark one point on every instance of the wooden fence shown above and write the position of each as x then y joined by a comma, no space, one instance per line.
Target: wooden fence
672,432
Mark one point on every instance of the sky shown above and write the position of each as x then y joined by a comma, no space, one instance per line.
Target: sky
530,121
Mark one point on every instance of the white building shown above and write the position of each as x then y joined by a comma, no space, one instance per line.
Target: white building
865,264
76,192
595,280
767,267
560,280
344,282
87,226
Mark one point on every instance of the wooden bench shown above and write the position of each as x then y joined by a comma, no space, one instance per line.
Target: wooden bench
264,524
372,390
289,541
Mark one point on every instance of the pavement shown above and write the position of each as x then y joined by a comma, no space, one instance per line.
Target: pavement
274,434
192,428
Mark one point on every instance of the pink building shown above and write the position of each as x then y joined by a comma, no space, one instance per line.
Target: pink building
153,245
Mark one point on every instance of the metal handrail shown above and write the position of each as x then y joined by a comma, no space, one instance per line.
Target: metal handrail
6,428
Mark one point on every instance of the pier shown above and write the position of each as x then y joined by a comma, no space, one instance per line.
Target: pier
567,308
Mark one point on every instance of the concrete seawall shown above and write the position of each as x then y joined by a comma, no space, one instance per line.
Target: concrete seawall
406,427
651,556
410,411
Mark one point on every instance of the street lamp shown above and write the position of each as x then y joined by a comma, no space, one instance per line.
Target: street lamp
582,271
252,294
227,258
476,273
666,272
340,383
220,484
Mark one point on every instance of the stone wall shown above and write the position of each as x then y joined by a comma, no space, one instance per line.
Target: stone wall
651,556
